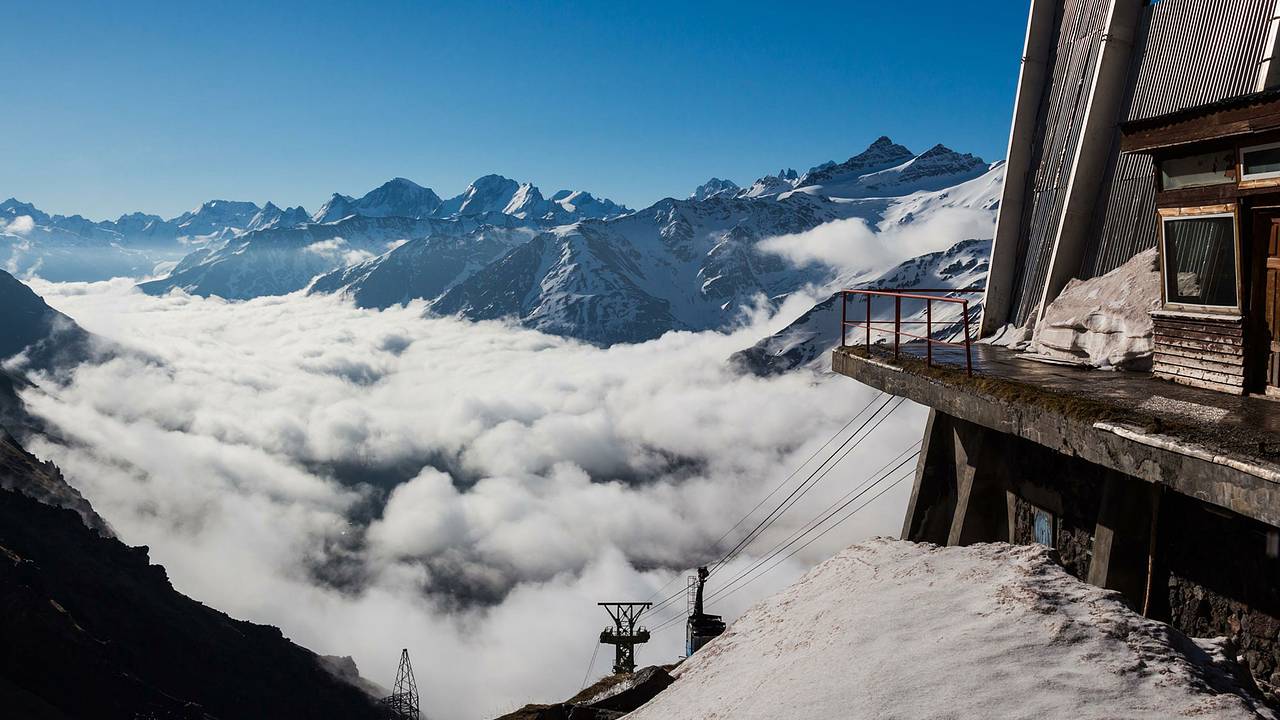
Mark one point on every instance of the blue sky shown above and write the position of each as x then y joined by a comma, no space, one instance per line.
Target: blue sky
158,106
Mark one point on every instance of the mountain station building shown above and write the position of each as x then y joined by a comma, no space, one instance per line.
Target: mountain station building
1139,228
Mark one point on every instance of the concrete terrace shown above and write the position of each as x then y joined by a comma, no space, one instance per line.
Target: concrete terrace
1219,448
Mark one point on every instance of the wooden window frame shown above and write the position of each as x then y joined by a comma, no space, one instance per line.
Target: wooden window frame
1259,180
1231,210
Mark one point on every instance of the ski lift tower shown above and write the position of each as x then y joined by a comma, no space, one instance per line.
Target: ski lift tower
402,703
625,634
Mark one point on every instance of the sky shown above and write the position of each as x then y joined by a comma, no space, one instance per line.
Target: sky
118,107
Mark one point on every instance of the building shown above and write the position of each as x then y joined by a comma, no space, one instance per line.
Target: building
1136,126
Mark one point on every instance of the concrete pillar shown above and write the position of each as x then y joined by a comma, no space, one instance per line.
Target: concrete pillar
981,513
1122,538
1093,151
933,497
1032,81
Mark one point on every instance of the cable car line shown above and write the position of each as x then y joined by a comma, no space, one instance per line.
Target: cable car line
679,593
673,622
804,487
778,487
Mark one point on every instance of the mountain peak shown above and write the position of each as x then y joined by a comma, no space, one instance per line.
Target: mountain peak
713,187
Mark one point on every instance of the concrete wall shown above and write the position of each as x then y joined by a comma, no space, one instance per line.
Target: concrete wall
1207,571
1032,77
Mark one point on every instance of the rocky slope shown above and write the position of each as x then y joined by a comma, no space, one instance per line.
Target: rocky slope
45,338
92,629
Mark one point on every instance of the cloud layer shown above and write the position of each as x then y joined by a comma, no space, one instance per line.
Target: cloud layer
852,246
371,480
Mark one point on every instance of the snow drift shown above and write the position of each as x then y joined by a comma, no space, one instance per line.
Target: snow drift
1103,322
892,629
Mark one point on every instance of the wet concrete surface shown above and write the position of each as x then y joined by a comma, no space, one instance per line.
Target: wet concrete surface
1248,426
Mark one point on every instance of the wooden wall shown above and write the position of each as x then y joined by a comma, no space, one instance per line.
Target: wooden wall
1200,349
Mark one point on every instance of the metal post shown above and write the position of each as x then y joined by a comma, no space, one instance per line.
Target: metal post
868,326
968,346
897,324
928,332
844,316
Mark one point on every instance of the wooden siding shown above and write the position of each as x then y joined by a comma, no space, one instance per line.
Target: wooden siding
1200,349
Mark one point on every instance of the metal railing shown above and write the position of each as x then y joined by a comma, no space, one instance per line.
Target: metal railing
898,333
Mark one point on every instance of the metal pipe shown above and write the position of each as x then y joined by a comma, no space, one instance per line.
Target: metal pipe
968,347
868,326
897,325
928,343
844,316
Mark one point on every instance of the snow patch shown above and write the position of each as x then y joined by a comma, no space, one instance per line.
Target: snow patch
1104,322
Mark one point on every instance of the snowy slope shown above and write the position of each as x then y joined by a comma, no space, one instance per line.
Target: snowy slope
937,168
676,265
282,260
72,248
891,629
810,337
423,267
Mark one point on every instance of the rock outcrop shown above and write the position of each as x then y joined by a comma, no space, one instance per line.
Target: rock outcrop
91,628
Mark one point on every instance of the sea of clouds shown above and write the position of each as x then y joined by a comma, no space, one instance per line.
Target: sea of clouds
371,480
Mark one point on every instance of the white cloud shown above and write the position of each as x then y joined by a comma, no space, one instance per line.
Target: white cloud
20,225
852,246
512,479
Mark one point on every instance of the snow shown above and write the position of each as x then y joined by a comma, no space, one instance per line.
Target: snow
1103,322
893,629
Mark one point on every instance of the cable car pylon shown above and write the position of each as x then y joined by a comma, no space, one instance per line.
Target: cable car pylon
625,633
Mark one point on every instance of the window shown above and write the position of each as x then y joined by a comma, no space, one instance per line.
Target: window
1200,260
1197,170
1260,162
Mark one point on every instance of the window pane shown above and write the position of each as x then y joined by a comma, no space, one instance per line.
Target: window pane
1197,170
1200,261
1261,162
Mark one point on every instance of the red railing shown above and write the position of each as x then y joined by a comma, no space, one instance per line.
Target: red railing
898,322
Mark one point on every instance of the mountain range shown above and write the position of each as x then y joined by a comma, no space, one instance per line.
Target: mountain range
570,264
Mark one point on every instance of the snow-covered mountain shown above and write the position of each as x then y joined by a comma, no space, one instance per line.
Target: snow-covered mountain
73,248
281,260
423,267
714,187
498,194
888,169
345,233
810,337
272,216
571,264
679,264
772,184
397,197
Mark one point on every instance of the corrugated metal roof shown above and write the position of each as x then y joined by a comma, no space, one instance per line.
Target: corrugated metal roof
1197,52
1058,127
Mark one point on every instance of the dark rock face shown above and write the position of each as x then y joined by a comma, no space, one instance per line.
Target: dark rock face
25,473
611,697
92,629
640,688
28,324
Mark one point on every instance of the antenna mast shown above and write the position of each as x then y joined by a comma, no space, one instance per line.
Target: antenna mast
624,635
